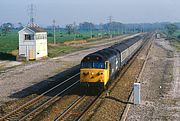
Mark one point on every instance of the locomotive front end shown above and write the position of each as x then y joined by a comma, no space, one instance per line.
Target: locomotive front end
93,71
93,75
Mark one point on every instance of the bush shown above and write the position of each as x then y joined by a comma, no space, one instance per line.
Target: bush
50,35
79,36
93,36
178,36
85,38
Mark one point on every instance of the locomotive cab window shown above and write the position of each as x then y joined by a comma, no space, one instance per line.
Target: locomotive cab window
86,65
99,65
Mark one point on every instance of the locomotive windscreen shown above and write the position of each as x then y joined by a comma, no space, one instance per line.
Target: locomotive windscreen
99,65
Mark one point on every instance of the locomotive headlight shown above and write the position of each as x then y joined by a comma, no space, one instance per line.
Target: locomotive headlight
100,73
92,73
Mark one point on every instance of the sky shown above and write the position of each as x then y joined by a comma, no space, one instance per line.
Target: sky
96,11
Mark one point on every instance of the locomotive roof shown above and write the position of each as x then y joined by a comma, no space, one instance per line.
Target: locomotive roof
102,55
95,57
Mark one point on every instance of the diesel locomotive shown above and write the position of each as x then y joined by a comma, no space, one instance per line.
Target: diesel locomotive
100,67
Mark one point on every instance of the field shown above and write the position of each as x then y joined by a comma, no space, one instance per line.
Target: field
176,43
63,36
177,33
9,43
54,51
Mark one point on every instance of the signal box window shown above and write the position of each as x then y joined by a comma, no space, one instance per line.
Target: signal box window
28,37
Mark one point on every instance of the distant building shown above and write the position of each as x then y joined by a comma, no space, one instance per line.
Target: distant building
158,36
32,43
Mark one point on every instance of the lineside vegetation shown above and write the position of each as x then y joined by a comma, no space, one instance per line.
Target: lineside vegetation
9,42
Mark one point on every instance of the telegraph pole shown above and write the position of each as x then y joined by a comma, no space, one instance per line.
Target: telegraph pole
101,29
125,29
91,31
91,34
142,27
110,26
74,28
54,28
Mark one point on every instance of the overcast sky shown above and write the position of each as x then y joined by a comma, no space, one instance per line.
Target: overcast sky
96,11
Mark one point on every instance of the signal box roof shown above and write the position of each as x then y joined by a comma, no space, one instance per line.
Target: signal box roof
36,29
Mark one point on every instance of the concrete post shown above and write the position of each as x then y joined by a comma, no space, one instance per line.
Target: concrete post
137,93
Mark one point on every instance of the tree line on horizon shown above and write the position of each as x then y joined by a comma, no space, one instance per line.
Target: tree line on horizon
119,27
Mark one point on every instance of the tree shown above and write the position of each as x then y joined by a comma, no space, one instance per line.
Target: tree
70,28
178,37
20,25
86,26
6,27
171,28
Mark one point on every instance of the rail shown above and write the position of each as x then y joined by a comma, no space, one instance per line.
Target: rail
33,101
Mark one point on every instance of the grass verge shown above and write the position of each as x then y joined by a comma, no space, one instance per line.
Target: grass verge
176,44
54,51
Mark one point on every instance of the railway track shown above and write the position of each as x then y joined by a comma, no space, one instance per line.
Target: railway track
74,111
112,86
77,108
81,106
36,105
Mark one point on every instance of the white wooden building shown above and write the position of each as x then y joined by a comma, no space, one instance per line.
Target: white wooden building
32,43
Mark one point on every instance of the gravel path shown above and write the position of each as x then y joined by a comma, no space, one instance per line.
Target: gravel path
8,64
176,75
160,86
18,78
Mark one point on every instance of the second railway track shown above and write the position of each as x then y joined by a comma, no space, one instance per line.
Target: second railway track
81,106
112,86
77,109
34,106
73,111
